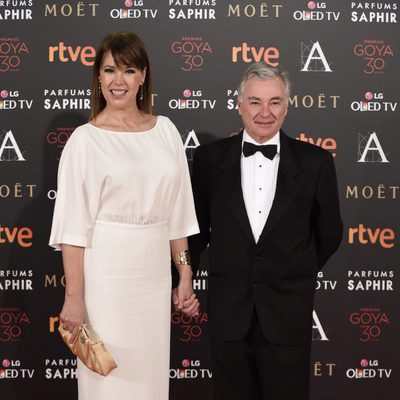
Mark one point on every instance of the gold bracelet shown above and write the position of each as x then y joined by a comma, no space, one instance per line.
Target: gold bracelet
182,257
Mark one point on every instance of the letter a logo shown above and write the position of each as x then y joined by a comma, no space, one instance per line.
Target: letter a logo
315,60
9,150
318,330
370,150
191,142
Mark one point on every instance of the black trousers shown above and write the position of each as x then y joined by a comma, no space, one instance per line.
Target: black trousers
254,369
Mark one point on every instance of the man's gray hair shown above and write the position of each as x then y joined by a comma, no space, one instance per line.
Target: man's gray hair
263,71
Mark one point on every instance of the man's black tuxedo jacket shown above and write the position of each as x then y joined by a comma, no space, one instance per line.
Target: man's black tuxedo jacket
277,275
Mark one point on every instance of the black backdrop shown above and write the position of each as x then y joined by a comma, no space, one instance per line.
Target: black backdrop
342,57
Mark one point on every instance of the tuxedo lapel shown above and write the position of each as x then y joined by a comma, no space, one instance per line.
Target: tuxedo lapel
286,188
230,184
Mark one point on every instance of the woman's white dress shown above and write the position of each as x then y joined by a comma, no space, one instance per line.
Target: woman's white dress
122,196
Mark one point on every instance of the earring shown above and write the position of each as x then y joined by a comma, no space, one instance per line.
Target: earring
100,89
141,92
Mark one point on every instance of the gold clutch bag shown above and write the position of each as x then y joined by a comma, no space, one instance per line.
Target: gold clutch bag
89,348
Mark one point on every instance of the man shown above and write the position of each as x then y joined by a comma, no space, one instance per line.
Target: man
267,206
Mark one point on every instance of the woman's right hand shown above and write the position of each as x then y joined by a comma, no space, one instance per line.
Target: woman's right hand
72,315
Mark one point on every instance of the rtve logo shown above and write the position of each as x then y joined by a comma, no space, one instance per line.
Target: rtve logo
250,54
22,236
52,323
385,237
65,54
328,143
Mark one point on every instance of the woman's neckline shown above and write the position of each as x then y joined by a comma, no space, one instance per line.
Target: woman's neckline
127,132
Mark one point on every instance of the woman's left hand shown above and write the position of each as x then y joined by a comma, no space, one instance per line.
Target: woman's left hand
184,299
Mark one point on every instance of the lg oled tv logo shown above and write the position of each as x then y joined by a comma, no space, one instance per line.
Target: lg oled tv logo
65,54
193,100
370,369
12,369
317,11
375,102
135,9
9,100
325,284
190,369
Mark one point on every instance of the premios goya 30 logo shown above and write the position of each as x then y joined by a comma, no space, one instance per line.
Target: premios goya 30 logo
12,52
371,323
375,53
194,51
13,324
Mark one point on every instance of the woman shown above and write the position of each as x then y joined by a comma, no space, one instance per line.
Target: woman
124,204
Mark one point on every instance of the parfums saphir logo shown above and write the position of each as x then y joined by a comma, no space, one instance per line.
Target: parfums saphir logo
15,10
192,9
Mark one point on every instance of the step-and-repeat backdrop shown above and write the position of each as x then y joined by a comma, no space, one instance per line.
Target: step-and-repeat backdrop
342,57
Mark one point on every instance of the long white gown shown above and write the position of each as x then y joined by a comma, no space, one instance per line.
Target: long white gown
122,196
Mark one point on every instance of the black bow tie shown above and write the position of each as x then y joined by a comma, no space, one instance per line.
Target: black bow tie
268,150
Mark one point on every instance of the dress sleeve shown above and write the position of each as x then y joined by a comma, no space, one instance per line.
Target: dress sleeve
182,222
76,203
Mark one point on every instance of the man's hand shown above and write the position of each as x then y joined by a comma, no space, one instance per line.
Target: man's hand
184,299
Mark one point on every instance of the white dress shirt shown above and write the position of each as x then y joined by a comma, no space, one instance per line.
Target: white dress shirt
259,175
